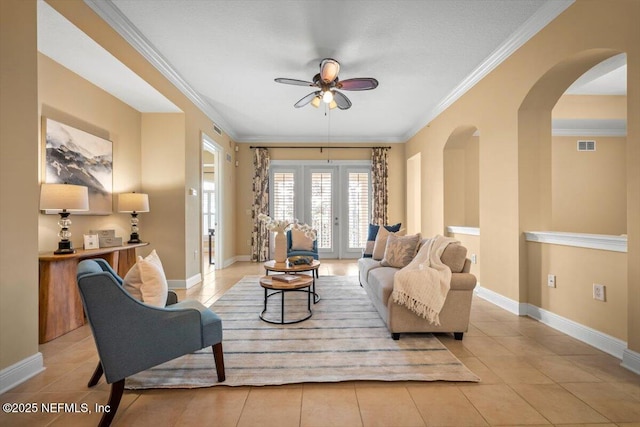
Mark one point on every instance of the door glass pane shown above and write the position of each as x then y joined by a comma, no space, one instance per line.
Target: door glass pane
358,209
283,196
322,209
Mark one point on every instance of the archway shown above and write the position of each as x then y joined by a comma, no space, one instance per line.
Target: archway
553,245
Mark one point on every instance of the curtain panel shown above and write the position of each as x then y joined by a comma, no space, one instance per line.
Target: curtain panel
379,174
260,234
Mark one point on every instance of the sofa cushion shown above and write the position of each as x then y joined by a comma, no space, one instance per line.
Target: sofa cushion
380,282
454,257
365,265
400,250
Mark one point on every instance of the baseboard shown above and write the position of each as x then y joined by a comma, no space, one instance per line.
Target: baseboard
185,284
237,258
631,361
597,339
614,346
20,372
515,307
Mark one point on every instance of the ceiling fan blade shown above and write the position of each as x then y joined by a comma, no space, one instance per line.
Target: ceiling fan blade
361,83
329,69
295,82
307,99
342,101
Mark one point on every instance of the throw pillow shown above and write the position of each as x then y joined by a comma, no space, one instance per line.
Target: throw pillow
373,233
400,250
380,244
300,242
146,281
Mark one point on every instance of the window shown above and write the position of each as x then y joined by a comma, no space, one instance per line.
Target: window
322,208
283,196
358,184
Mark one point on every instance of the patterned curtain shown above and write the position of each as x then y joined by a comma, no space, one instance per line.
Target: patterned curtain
379,173
260,234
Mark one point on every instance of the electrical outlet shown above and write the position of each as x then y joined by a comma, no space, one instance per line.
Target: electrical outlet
474,259
599,292
551,280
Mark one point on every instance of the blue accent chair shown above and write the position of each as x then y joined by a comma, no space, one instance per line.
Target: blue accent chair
290,252
131,336
312,253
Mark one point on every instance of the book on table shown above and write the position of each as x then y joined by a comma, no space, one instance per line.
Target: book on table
287,278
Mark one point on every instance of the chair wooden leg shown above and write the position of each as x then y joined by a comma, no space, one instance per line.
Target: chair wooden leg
96,375
219,358
117,389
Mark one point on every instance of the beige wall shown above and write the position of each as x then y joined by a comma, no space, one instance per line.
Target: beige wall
162,148
576,270
66,97
589,188
590,107
511,108
19,189
461,184
244,182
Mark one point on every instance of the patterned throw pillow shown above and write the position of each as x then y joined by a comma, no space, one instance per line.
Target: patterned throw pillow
371,238
400,250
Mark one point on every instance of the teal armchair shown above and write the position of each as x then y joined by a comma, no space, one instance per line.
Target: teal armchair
131,336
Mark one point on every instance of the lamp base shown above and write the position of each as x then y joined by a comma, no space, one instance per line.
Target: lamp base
64,248
134,238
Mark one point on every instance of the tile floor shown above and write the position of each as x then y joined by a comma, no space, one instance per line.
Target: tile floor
531,375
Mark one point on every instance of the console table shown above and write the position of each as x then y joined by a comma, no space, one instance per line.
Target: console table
60,306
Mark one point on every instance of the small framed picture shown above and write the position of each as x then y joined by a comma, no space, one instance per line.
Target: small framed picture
91,241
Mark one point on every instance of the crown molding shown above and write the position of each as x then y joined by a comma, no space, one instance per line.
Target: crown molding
123,26
547,13
613,132
314,139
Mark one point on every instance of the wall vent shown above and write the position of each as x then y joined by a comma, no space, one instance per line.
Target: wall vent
586,146
217,129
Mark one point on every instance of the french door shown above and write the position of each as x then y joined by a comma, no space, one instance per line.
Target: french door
334,199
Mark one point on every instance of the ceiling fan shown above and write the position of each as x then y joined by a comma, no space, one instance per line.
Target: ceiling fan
328,84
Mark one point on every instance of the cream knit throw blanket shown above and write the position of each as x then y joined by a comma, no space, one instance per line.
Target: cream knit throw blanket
422,285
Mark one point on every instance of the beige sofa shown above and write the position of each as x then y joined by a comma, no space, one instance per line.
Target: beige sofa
454,316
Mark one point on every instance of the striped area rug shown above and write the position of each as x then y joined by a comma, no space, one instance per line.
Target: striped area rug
344,340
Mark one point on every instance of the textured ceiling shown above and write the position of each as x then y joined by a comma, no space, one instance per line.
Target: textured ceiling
225,55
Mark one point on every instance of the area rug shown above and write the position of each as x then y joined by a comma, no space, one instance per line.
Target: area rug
344,340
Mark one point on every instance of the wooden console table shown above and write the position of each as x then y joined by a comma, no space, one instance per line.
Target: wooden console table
60,304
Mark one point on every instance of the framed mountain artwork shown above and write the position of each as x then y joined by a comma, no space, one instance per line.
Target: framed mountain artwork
74,156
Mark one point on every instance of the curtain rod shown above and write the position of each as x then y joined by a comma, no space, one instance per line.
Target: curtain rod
251,147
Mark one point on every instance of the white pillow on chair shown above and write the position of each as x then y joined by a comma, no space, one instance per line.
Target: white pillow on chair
300,242
146,281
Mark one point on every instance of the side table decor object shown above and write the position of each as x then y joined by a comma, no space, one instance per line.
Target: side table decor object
280,227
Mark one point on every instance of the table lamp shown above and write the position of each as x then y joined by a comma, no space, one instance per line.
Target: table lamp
65,198
133,203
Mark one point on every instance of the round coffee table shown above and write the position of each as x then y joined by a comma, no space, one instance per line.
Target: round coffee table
302,284
286,267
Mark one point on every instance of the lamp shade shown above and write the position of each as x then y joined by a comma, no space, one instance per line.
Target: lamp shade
133,202
58,197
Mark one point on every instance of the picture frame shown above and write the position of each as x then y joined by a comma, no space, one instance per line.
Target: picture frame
73,156
91,241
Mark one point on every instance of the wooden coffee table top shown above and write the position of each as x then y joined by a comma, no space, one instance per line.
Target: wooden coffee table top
285,267
303,281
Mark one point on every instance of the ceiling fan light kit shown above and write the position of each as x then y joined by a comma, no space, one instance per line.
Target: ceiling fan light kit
328,82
